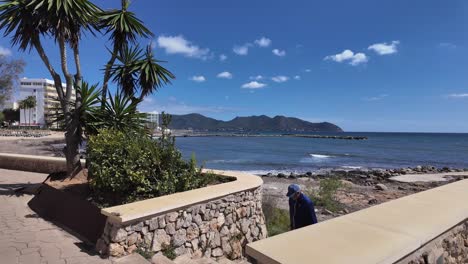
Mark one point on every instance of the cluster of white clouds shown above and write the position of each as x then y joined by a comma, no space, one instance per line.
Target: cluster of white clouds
348,56
385,48
179,45
460,95
4,51
358,58
198,78
225,75
253,85
262,42
280,78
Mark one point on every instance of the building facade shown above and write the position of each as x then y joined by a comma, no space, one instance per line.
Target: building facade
152,119
47,101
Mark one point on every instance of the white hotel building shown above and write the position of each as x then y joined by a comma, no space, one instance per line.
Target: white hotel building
46,98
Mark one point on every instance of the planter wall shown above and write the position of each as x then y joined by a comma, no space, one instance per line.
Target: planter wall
218,228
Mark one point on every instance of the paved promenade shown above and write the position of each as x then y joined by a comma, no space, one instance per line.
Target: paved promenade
26,238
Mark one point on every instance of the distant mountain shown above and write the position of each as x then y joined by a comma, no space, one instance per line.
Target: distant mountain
261,123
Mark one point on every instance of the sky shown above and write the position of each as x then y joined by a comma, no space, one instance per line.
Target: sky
364,65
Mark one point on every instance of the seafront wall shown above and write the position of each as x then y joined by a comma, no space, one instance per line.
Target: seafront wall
424,228
215,229
215,221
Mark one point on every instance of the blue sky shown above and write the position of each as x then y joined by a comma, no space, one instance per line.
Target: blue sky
363,65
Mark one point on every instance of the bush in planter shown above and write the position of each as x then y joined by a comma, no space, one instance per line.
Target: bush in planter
124,167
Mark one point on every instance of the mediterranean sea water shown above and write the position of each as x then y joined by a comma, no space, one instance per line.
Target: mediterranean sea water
261,155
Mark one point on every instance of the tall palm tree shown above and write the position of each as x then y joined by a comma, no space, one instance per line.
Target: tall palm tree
124,28
27,21
22,105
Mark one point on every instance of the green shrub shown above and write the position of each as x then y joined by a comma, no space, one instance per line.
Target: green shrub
277,219
125,167
326,195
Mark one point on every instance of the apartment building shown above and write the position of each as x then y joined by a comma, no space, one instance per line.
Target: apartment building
46,101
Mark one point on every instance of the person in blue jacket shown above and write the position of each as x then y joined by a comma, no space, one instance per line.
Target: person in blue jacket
301,208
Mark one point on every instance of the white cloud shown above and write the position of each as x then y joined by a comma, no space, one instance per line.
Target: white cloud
462,95
225,75
258,77
222,57
198,78
348,55
242,50
375,98
280,79
308,70
5,51
297,77
279,53
385,48
263,42
447,45
253,85
179,45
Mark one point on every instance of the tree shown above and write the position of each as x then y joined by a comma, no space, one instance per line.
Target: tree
27,22
30,103
9,75
22,105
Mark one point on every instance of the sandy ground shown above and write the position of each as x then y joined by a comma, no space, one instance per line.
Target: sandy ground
32,146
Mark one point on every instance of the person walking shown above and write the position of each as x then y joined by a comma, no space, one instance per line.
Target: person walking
301,208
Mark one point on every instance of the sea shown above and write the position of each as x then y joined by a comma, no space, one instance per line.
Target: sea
262,155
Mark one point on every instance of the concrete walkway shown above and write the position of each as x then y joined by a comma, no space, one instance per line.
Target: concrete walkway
435,177
29,239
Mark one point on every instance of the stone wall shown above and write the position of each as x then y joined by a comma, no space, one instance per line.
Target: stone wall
215,229
451,247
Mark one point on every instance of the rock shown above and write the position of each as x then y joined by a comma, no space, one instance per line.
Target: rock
160,259
172,217
118,234
327,212
381,187
236,247
221,220
132,239
116,250
195,244
193,232
160,238
138,227
101,247
292,176
162,222
214,239
197,219
133,258
153,224
281,175
217,252
245,226
179,238
309,174
170,228
373,201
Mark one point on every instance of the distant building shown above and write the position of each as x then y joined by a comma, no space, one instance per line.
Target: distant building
152,118
46,98
9,105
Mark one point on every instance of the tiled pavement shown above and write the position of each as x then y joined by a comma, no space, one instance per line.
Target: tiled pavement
29,239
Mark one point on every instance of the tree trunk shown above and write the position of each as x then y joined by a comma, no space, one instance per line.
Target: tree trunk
109,65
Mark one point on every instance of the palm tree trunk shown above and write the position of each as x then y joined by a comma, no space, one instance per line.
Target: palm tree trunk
109,65
72,134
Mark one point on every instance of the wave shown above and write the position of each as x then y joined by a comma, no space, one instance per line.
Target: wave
320,156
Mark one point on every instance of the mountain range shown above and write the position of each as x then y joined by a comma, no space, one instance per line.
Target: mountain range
261,123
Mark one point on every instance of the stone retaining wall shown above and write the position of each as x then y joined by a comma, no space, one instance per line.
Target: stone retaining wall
216,229
449,248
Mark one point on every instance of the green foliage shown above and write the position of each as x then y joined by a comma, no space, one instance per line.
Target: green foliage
145,252
326,195
2,117
277,219
168,251
11,115
128,166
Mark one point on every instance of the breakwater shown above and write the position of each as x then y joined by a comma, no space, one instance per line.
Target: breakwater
269,135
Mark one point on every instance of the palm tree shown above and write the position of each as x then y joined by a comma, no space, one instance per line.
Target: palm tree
30,103
27,22
138,72
124,28
22,105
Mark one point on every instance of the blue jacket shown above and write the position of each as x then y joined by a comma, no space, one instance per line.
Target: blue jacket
301,212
